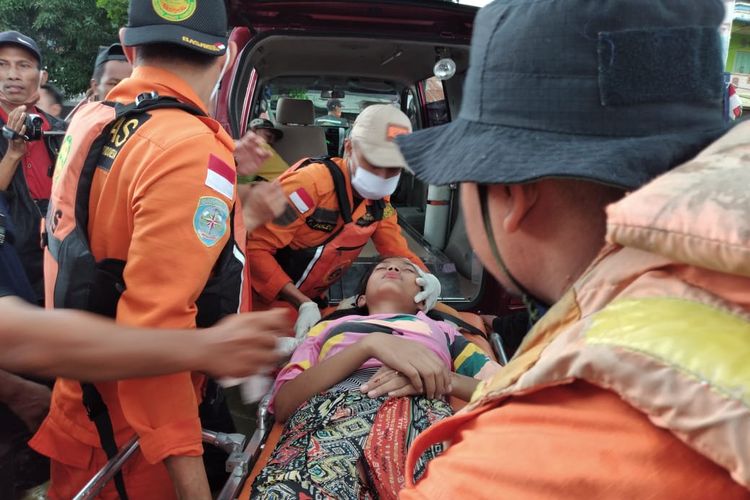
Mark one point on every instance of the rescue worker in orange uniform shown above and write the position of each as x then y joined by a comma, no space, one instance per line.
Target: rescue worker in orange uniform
634,384
334,208
161,205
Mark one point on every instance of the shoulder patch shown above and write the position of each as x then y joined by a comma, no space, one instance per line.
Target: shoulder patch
119,133
323,219
211,220
301,200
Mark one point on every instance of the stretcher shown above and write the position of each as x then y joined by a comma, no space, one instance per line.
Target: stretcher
268,432
246,457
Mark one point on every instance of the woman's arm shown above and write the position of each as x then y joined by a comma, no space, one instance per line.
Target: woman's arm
416,362
319,378
83,346
463,386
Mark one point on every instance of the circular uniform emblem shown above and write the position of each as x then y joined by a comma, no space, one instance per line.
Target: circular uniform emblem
174,10
211,220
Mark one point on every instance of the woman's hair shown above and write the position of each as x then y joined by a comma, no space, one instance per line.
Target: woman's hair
360,292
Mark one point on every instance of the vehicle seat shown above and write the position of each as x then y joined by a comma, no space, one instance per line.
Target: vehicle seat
302,139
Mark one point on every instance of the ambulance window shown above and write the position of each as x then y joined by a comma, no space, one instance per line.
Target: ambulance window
410,108
436,112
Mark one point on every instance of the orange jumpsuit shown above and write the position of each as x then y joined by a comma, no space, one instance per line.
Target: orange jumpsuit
308,222
149,211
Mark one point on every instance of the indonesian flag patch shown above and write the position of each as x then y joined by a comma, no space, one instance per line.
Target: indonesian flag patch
220,176
301,200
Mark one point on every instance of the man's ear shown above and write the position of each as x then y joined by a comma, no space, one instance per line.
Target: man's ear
347,146
128,51
518,201
43,76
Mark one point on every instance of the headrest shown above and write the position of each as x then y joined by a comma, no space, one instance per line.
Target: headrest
696,214
295,111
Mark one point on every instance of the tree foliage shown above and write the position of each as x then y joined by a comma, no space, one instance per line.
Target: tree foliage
68,32
117,10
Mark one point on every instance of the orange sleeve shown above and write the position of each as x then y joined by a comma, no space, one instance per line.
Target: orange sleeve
572,441
391,243
179,227
268,278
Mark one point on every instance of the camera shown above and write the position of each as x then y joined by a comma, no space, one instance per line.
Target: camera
33,125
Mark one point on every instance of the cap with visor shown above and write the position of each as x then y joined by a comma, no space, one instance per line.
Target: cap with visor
22,41
374,132
262,123
200,25
113,52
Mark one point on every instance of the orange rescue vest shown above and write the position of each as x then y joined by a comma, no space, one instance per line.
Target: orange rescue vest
313,270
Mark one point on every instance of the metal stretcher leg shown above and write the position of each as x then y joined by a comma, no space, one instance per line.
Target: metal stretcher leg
245,460
233,444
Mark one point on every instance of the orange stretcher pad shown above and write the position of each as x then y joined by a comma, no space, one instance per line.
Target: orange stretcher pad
275,432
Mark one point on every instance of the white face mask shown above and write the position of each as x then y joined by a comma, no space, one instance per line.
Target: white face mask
371,186
215,92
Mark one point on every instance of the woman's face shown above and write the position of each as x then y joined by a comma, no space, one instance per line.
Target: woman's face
394,280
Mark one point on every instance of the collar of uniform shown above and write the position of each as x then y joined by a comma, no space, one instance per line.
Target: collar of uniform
165,83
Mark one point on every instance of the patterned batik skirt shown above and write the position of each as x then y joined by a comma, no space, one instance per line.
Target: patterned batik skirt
346,445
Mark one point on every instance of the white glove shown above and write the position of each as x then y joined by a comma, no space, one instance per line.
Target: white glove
308,316
430,290
254,387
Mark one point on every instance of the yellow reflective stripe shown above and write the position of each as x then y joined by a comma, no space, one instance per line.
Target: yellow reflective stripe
710,344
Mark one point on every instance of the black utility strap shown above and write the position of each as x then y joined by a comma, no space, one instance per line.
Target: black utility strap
339,183
443,316
99,414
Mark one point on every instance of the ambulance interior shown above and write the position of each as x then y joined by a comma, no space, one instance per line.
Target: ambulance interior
358,72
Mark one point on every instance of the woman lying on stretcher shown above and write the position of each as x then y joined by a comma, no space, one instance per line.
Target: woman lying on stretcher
338,442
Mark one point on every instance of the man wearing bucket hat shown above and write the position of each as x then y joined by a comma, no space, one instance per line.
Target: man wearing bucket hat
299,255
633,384
160,226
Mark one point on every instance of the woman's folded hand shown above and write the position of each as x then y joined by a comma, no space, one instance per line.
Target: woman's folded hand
425,372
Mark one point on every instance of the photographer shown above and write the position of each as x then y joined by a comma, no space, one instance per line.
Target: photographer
27,153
